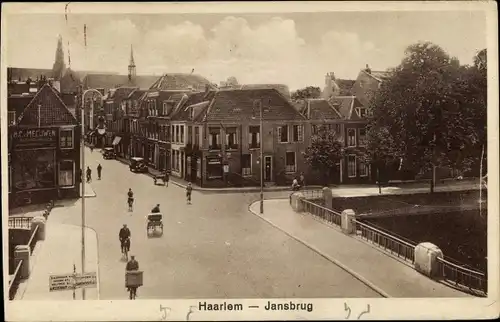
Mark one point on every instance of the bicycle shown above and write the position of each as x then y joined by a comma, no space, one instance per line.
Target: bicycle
125,247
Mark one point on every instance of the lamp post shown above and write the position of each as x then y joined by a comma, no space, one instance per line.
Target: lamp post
83,182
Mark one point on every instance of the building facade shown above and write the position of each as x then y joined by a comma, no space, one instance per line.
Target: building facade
44,151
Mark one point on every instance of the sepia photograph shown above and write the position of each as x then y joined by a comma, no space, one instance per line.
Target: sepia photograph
250,161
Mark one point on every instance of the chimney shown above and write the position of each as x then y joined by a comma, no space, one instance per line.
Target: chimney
368,70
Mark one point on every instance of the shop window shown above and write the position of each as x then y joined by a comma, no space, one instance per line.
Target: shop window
66,173
231,138
298,133
246,165
214,168
351,137
66,138
254,137
283,134
351,166
290,162
214,138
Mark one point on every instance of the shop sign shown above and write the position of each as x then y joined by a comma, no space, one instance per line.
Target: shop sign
214,160
35,137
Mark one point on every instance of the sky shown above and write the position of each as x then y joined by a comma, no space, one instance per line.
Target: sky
296,49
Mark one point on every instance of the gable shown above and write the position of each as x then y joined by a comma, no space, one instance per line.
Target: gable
46,109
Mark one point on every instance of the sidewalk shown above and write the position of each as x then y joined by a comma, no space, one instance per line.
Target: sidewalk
56,256
183,183
378,270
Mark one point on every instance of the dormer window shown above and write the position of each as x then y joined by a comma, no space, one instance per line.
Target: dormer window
362,111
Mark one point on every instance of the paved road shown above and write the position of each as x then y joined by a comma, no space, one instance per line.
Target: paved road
213,248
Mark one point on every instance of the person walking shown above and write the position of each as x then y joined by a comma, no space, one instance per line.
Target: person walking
89,174
91,148
302,180
99,171
166,178
189,189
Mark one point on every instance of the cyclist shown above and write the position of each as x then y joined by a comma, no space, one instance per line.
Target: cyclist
124,237
130,199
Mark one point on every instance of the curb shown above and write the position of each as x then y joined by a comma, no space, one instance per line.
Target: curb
334,261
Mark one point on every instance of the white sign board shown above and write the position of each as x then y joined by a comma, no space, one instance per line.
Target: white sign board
226,168
72,281
61,282
87,280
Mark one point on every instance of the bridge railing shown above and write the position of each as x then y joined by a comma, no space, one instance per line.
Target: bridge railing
14,281
389,243
33,239
321,212
20,222
459,275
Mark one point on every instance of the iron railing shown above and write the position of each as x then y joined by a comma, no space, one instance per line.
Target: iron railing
459,275
33,239
14,281
321,212
389,243
20,222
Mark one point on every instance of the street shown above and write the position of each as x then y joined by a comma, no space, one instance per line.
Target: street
214,248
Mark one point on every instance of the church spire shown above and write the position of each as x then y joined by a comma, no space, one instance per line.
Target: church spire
131,65
59,66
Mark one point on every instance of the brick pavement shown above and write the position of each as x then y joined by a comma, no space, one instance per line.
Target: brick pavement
379,270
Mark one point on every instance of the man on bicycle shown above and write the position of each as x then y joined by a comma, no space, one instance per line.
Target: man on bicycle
130,199
132,265
124,237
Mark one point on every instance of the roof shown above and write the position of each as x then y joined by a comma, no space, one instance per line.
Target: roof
108,81
180,81
46,109
18,103
16,73
378,75
242,104
345,86
346,105
196,102
320,109
281,88
120,93
136,94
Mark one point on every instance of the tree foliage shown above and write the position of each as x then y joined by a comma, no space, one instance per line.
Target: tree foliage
430,111
325,151
307,92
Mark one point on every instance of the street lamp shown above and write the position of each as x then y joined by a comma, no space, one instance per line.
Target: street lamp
261,159
83,183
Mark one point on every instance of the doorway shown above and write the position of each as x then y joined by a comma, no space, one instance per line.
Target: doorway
268,168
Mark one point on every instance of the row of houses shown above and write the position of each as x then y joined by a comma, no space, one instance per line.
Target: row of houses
212,137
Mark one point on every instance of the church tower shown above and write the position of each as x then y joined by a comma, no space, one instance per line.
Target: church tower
59,67
131,65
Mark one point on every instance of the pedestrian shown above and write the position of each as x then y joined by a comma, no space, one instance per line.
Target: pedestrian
89,174
99,170
189,189
91,148
302,180
166,178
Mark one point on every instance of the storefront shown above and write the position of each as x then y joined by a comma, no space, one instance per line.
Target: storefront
214,167
44,163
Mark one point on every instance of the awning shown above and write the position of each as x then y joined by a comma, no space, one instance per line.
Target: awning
117,140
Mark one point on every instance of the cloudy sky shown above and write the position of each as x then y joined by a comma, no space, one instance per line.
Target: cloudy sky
296,49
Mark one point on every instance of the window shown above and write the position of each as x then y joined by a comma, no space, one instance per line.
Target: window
66,173
254,137
351,137
290,162
362,111
165,108
66,138
362,137
351,166
283,134
167,133
182,133
176,134
231,138
314,129
196,135
246,165
363,169
12,118
214,138
334,128
298,133
190,135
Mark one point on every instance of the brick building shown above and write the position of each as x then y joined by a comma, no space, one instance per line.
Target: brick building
44,150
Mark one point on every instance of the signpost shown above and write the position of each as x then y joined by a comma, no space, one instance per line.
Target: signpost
72,281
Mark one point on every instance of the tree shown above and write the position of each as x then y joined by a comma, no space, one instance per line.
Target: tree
232,81
420,112
59,66
325,152
307,92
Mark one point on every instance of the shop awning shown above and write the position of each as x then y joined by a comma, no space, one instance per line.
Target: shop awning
117,140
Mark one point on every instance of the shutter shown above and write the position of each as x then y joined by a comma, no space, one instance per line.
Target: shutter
279,133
